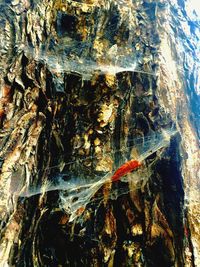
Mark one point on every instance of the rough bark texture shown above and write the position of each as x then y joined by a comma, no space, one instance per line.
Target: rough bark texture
82,83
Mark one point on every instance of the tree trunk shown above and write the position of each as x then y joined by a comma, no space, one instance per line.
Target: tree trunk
87,86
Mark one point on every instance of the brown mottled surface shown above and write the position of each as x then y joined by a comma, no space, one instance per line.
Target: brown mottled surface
83,84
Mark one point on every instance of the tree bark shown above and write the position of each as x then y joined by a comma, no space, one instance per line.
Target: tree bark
85,87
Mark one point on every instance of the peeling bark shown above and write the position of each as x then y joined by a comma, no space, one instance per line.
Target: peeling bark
85,87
